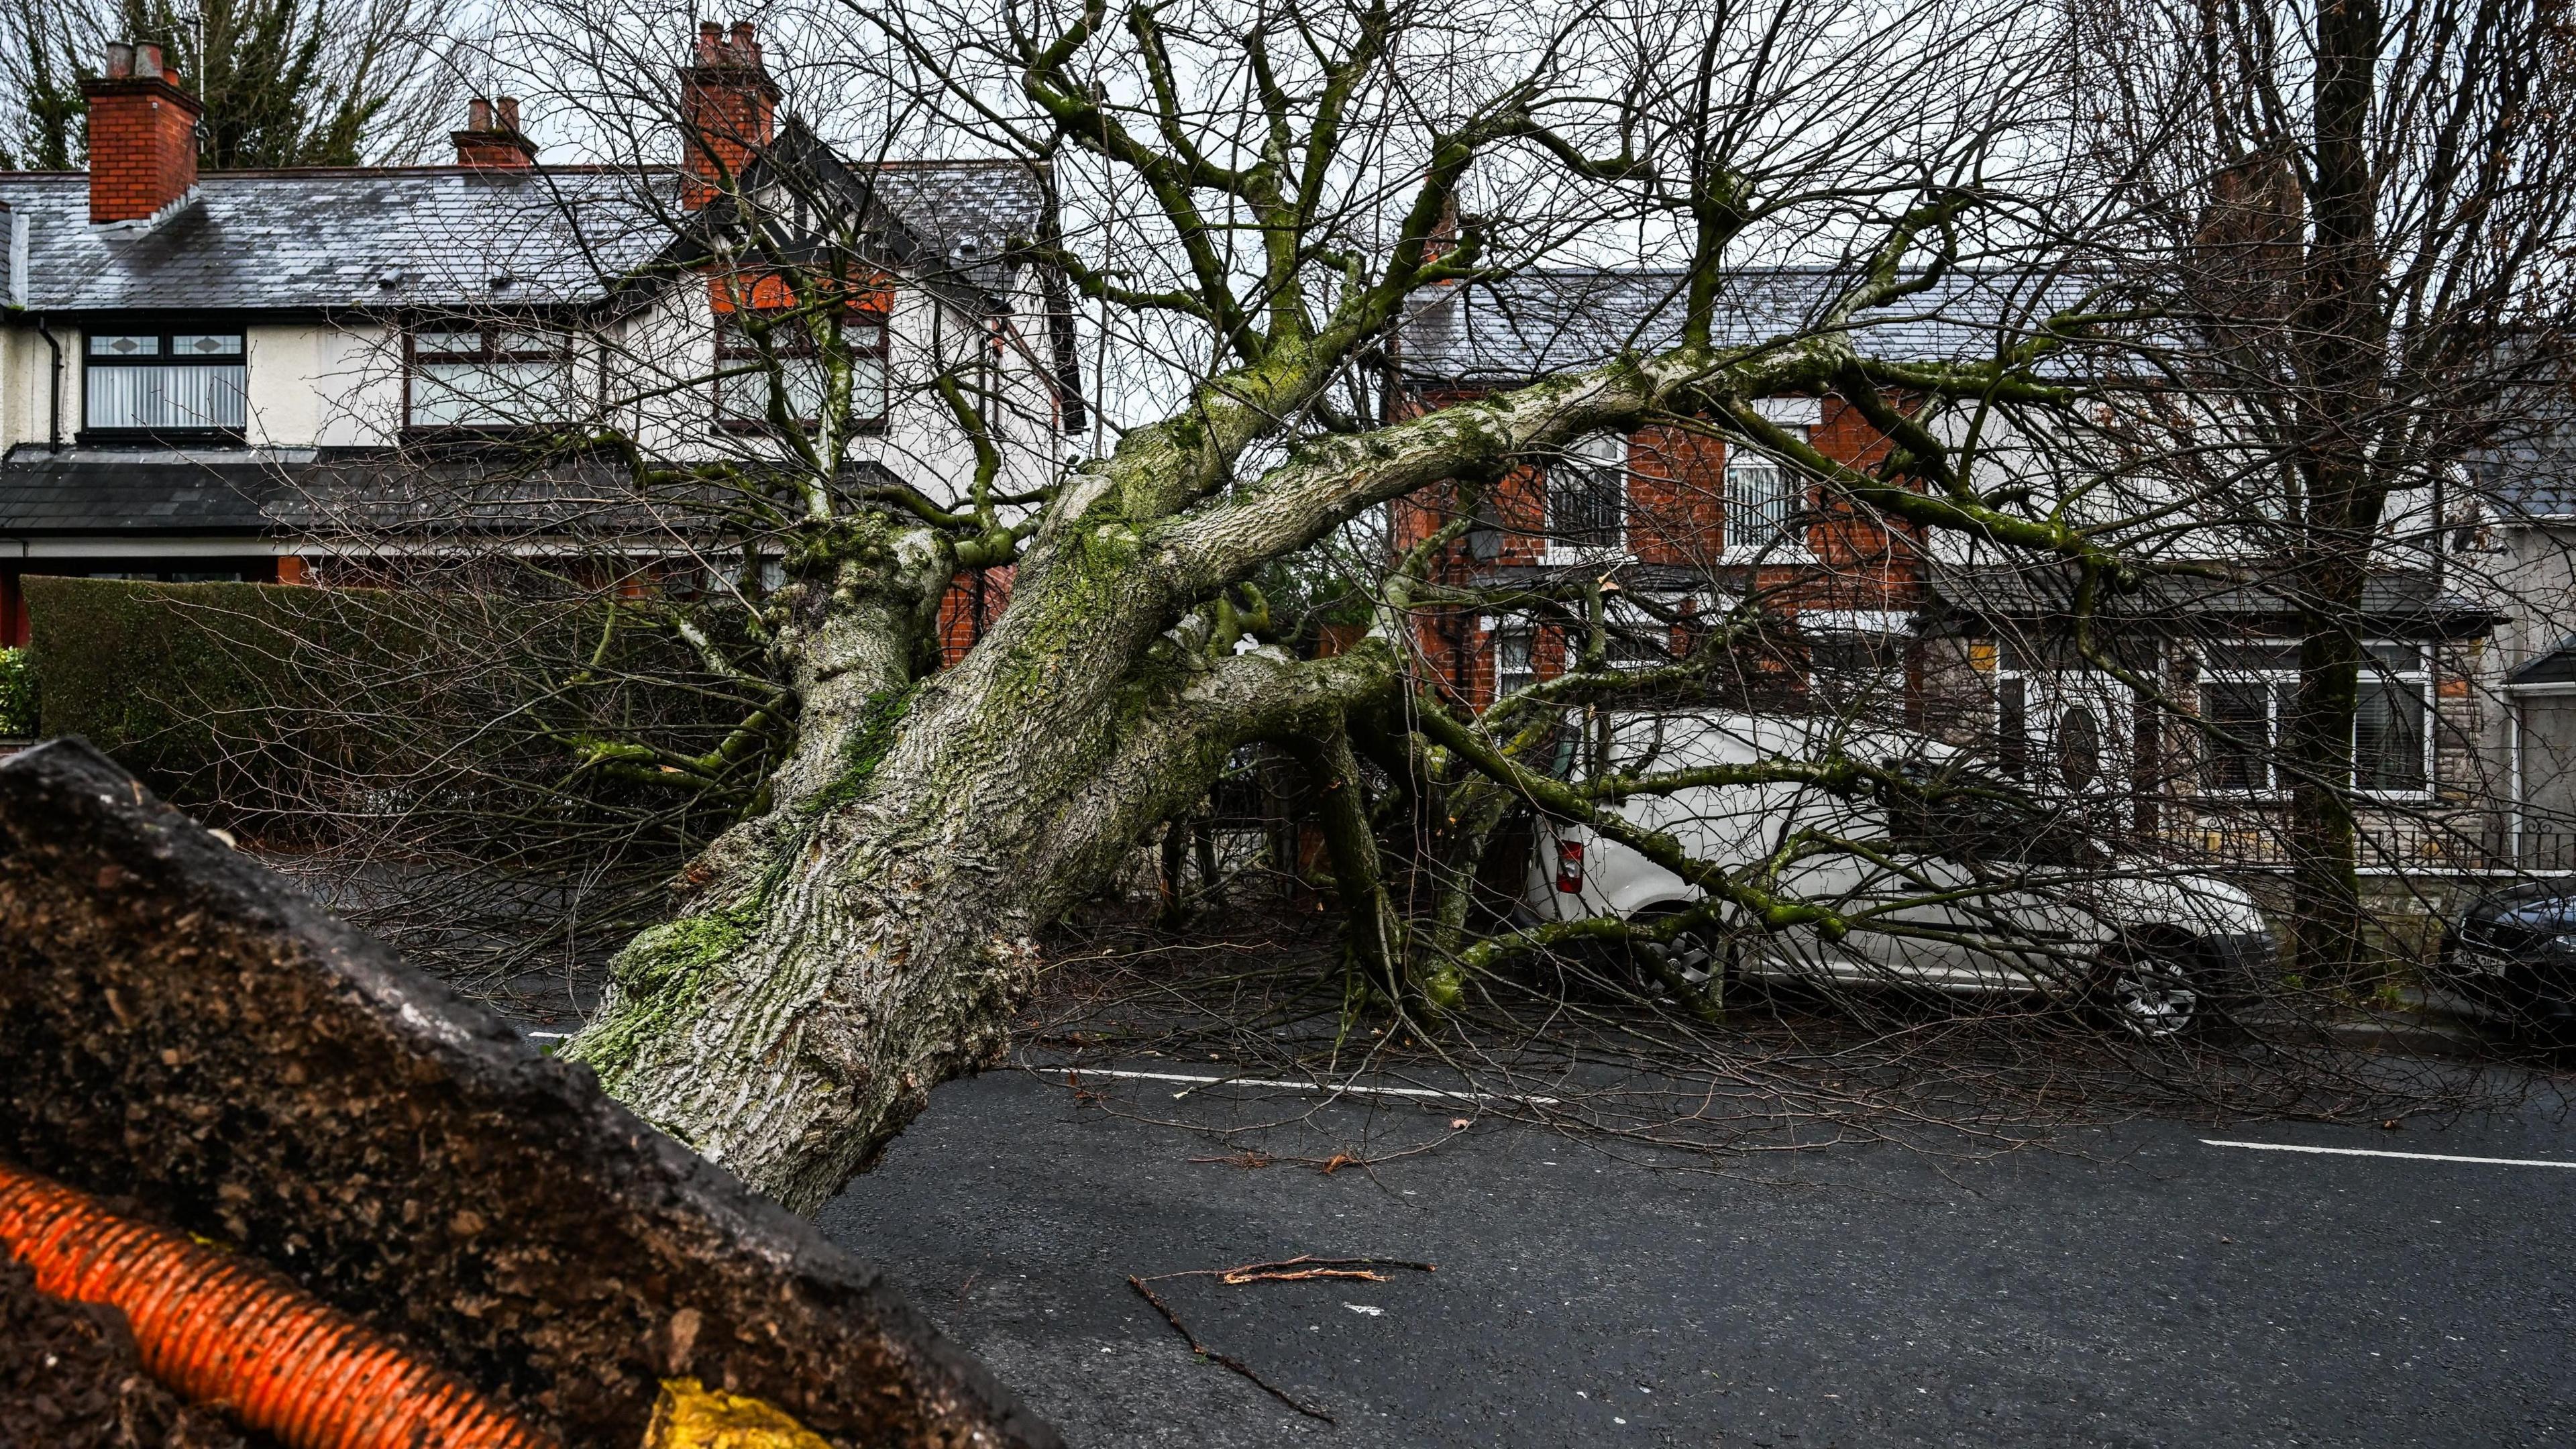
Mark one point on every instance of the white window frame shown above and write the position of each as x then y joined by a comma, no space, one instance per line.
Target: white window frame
1506,634
1598,454
1625,622
1789,543
2279,683
2421,676
2274,683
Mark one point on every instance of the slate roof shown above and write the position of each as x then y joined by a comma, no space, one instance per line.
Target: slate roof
2389,599
1546,321
2530,471
134,493
374,238
240,492
2558,666
345,238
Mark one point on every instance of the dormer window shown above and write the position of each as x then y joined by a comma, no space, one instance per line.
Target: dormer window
489,376
154,380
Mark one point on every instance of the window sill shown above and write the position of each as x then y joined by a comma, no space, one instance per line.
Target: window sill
164,437
752,428
497,433
1766,558
1562,558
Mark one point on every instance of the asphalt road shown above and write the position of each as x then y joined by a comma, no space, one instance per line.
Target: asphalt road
2136,1287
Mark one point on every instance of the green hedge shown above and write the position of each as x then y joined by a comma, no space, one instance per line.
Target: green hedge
318,702
18,694
174,679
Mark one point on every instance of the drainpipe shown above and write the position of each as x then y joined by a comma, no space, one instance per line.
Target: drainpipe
54,396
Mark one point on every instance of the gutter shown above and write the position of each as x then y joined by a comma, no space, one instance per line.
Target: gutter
54,394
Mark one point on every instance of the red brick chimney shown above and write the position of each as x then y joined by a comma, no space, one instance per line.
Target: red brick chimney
491,136
728,111
142,136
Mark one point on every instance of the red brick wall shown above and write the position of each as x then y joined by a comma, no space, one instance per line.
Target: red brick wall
975,598
1677,491
1676,496
142,146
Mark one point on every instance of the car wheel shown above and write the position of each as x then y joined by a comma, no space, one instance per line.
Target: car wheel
1696,957
2149,995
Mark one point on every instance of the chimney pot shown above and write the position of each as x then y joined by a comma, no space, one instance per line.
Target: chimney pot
491,136
147,59
120,60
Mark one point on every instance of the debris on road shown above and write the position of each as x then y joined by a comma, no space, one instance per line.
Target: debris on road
1304,1268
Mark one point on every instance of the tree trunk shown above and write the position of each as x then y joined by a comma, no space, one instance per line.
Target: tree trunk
866,938
2343,331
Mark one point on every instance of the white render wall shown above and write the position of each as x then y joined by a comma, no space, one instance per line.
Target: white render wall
25,368
339,383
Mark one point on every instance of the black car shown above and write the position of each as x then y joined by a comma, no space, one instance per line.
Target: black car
2516,949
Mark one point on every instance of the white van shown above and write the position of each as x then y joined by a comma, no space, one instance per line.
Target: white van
1964,897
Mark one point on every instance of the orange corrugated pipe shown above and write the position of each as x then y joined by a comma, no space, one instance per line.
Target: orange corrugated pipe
220,1330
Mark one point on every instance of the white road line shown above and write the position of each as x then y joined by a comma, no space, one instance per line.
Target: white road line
2375,1152
1075,1073
548,1035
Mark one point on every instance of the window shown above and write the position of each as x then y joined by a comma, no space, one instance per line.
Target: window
489,376
2390,744
2012,726
1762,504
745,382
1587,500
1514,665
176,379
2063,731
1634,636
2247,691
1857,668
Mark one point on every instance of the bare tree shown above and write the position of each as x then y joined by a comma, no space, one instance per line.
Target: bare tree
2351,222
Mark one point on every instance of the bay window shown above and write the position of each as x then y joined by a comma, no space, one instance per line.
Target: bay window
2391,746
2247,693
749,375
166,378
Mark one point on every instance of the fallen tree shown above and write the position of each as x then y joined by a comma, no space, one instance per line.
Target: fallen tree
857,939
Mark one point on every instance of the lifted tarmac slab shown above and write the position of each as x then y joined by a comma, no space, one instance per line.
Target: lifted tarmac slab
183,1030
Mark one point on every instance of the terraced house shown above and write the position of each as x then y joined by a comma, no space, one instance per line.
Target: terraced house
265,375
1868,617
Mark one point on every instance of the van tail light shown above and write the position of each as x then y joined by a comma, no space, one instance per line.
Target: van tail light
1569,866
